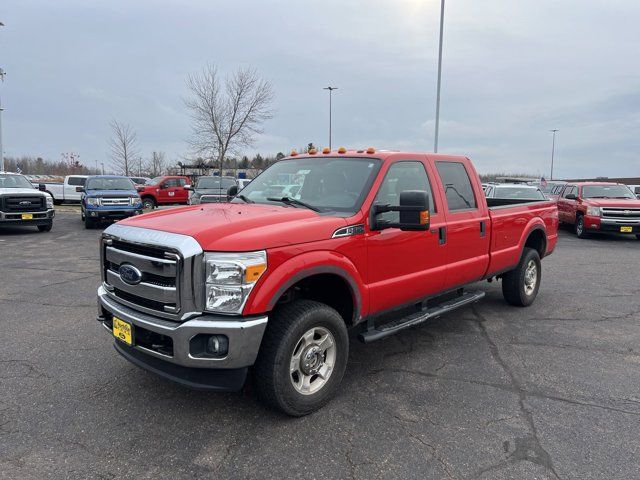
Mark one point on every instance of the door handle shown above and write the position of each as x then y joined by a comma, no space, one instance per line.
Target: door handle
442,235
482,228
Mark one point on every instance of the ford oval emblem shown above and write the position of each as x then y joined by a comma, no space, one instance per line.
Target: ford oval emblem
130,274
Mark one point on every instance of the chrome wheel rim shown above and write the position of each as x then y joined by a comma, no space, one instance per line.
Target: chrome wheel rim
579,227
530,277
312,360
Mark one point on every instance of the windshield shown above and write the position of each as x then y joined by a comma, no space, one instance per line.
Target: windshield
14,181
108,183
607,191
214,183
328,184
519,193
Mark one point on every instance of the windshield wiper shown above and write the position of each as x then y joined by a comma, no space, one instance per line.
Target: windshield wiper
244,199
293,201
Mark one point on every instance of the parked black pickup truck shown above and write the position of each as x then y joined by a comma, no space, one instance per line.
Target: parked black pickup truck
22,204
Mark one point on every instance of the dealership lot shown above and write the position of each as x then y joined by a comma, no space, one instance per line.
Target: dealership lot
491,391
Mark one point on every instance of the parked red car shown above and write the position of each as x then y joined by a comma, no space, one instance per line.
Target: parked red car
164,190
599,207
376,241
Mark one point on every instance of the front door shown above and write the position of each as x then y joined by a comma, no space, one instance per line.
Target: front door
404,266
567,206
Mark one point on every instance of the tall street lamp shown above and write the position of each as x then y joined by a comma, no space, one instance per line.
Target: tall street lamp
435,145
2,74
553,149
331,89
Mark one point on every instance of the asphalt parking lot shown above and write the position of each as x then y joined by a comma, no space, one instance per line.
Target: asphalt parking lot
491,391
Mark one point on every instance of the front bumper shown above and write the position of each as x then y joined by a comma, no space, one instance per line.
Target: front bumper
168,347
112,214
611,225
38,218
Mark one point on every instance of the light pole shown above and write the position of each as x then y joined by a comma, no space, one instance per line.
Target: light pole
2,74
435,144
553,149
331,89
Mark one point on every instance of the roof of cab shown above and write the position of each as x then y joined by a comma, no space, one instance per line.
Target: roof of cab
367,153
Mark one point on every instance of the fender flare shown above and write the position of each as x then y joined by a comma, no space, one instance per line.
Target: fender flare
535,224
295,269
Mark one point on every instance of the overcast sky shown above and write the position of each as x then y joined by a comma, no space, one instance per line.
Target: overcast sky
512,71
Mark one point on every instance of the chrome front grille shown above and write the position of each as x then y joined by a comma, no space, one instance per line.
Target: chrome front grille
167,262
621,215
120,202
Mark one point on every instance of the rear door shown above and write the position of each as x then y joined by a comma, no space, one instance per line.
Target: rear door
405,266
567,207
467,222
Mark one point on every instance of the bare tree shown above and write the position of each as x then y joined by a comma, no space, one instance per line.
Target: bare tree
124,147
157,164
227,117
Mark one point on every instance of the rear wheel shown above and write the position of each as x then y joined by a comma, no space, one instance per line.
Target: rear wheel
148,203
580,230
302,358
520,286
46,228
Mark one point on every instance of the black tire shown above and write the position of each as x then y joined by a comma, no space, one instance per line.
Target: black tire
82,216
46,228
515,289
273,379
638,236
88,223
579,227
148,203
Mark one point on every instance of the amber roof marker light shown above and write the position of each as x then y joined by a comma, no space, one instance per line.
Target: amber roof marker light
342,150
294,153
326,150
371,150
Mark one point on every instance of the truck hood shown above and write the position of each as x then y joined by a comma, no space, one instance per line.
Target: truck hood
21,191
112,193
238,227
613,202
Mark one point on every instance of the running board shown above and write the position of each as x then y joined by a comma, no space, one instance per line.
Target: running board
394,326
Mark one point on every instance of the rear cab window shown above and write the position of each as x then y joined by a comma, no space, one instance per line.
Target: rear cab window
77,181
457,185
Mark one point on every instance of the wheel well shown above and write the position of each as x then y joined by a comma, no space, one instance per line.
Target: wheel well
538,241
327,288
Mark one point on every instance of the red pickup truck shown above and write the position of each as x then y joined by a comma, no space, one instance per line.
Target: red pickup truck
599,207
378,241
164,190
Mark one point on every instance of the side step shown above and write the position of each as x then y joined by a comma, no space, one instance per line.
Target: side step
394,326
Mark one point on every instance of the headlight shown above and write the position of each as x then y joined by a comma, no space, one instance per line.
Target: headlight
135,201
49,201
230,277
93,202
594,211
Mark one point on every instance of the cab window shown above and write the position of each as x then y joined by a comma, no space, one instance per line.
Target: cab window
403,175
172,182
79,181
457,186
570,189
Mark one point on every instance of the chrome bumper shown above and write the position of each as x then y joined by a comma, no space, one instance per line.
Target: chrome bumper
619,221
244,334
17,216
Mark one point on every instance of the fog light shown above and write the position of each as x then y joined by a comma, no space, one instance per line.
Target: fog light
94,214
217,345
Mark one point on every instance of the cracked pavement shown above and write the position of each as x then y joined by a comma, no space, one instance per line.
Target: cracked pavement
487,392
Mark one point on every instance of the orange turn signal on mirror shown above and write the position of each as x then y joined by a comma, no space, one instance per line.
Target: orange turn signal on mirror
254,272
424,217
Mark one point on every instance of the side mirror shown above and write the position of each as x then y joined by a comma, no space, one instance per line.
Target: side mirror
232,191
139,188
188,187
80,189
42,187
413,210
571,196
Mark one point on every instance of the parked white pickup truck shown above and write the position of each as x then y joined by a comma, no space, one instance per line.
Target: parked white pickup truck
66,191
22,204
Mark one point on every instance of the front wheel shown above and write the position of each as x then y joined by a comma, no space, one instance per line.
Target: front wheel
88,223
46,228
580,230
148,203
302,358
520,286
